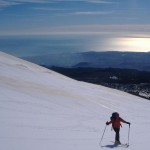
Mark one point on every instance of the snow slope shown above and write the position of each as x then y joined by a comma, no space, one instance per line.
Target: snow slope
43,110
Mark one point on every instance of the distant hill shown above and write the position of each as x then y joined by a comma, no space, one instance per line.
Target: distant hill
125,60
128,80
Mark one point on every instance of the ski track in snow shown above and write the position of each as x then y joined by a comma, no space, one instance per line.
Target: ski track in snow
43,110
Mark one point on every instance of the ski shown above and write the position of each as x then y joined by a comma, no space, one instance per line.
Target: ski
122,145
115,145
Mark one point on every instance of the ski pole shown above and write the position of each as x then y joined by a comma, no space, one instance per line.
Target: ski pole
102,136
128,134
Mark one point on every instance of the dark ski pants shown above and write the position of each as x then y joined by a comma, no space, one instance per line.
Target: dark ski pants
117,137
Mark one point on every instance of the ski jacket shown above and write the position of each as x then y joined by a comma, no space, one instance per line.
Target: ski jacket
116,123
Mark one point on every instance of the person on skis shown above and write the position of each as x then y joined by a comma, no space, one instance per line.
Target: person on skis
115,120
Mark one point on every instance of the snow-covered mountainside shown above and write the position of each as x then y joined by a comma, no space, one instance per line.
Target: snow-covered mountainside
43,110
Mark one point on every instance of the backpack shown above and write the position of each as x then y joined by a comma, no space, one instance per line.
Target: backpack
114,115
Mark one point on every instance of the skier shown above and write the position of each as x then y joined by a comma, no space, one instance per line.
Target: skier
116,123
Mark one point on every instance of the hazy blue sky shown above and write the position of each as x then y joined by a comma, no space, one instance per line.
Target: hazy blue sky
74,16
127,21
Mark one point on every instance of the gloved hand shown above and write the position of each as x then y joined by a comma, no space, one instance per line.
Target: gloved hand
129,123
107,123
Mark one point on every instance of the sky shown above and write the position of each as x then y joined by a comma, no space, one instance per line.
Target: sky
124,20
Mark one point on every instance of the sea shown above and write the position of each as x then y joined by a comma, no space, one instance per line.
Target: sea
24,46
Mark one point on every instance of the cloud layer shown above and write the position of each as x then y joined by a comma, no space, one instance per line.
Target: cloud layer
6,3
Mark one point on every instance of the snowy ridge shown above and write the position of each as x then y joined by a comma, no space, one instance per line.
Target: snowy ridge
43,110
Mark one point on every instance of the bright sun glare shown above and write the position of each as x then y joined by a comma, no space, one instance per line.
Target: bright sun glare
141,43
129,44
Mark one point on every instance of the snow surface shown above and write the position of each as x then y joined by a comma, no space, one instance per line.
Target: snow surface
43,110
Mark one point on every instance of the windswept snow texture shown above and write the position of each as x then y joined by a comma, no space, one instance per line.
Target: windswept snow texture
43,110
